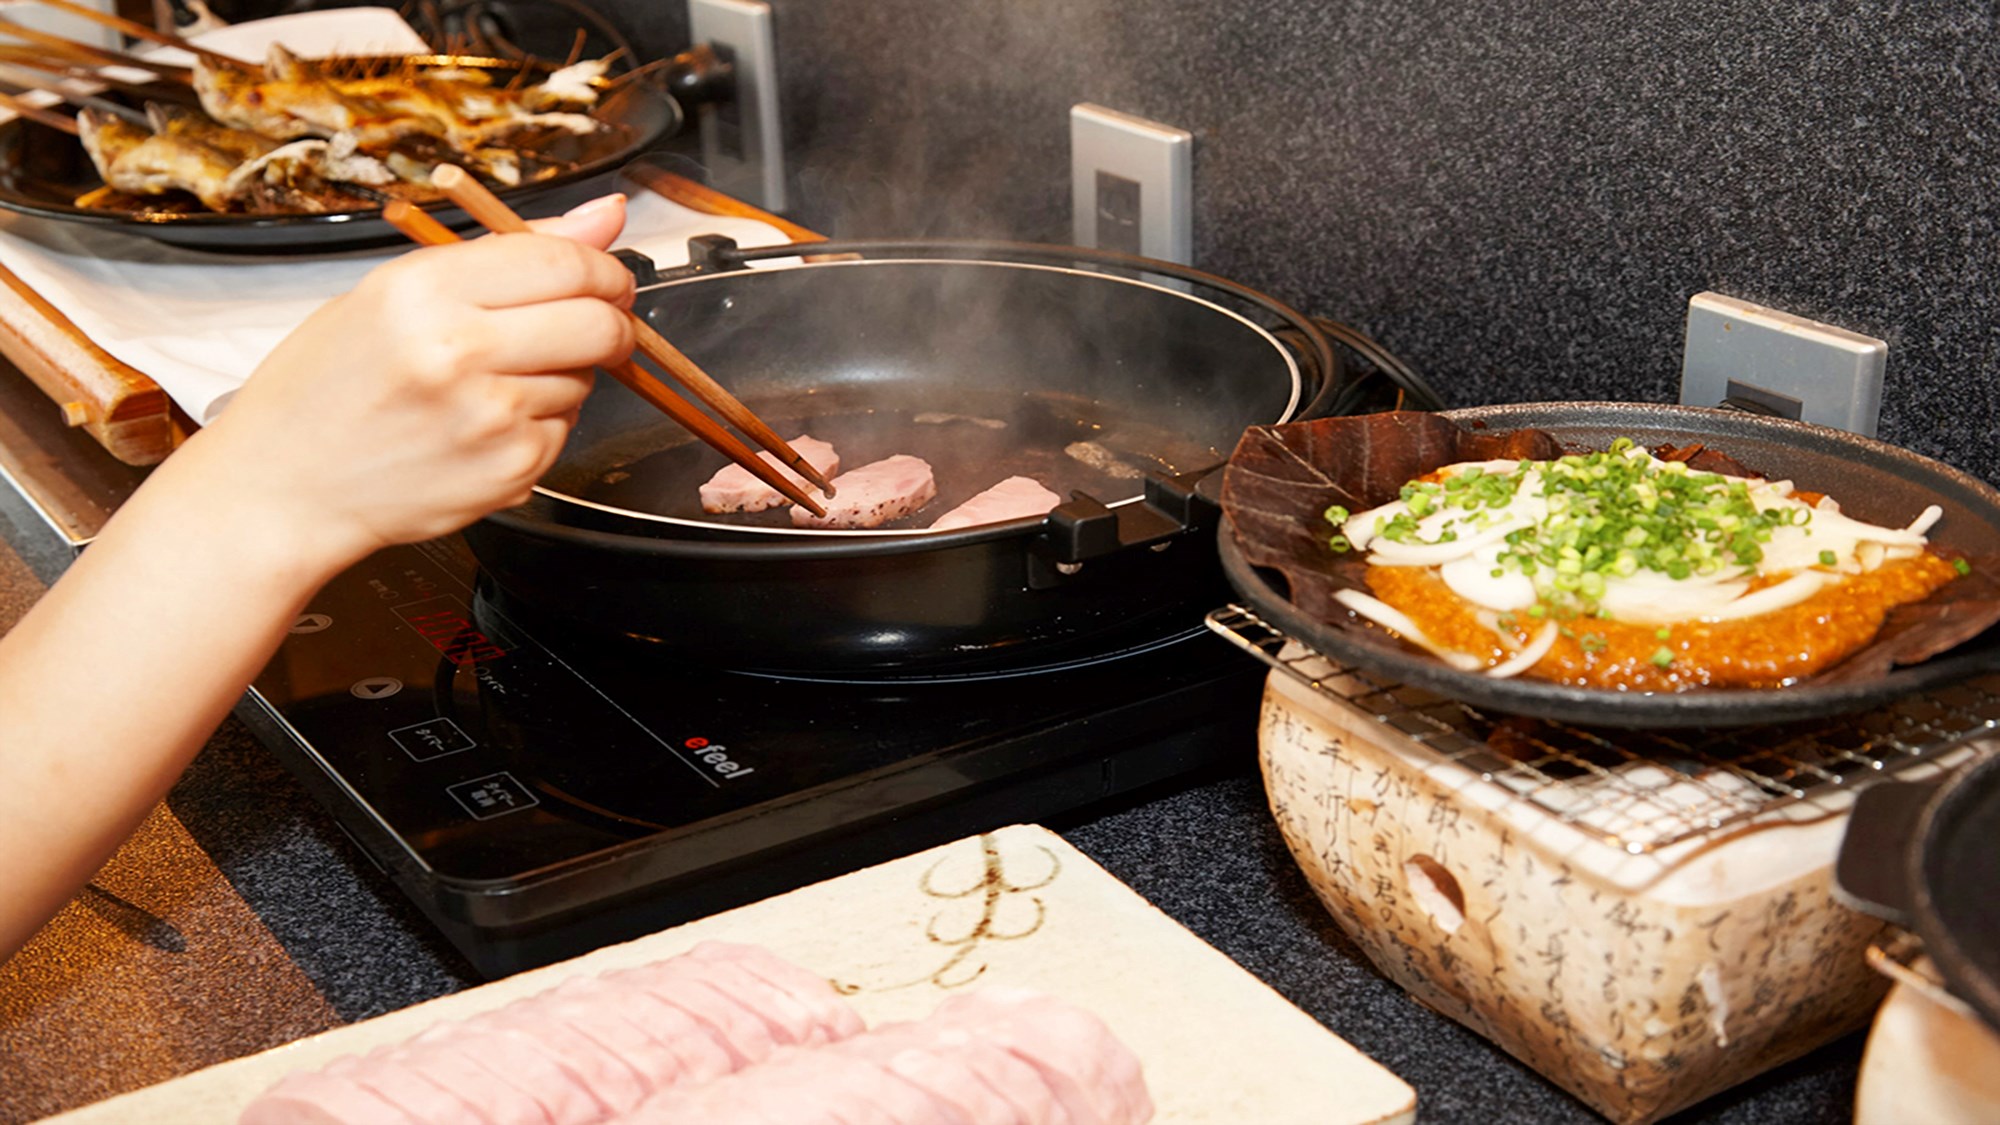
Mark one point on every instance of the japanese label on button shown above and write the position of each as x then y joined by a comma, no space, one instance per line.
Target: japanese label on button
433,739
494,795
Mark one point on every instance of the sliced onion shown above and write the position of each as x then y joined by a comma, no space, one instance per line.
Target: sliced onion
1790,592
1925,520
1526,658
1388,552
1393,619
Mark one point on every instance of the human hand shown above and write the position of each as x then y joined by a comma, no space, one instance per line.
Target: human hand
441,388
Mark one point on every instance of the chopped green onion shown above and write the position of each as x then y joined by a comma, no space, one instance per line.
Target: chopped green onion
1662,656
1961,566
1828,558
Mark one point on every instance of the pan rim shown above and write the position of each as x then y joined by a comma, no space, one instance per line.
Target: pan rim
1265,335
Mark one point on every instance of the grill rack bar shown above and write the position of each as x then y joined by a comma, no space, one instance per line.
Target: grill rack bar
1641,790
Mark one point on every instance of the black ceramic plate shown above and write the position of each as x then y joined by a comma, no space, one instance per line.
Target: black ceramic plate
1871,480
44,170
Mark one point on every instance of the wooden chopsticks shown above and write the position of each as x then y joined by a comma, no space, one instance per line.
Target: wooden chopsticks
459,186
427,231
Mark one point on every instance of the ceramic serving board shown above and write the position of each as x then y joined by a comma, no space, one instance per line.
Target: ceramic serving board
1015,907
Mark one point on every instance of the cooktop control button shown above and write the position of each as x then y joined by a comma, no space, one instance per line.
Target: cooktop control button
434,739
311,623
375,687
493,795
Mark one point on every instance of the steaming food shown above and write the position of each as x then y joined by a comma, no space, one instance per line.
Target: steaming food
1621,570
299,138
736,489
1103,460
1011,499
874,494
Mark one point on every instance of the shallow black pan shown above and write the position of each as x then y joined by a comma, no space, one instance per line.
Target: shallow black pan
1872,481
1921,854
44,170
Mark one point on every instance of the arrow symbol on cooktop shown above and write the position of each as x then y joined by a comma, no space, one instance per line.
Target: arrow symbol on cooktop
375,687
311,623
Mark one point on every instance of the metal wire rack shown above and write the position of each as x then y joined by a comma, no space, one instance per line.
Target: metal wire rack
1642,790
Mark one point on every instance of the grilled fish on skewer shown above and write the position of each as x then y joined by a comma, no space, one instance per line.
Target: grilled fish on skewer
134,160
228,169
311,175
188,124
297,98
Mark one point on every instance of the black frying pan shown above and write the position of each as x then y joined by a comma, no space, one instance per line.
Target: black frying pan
1872,481
988,361
1922,855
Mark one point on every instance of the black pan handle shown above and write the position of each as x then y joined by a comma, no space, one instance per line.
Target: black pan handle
702,73
1085,528
1871,873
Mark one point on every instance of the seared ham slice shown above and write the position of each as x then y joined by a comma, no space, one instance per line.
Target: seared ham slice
874,494
1009,500
735,489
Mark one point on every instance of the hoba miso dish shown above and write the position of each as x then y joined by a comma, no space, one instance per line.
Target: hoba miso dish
1625,570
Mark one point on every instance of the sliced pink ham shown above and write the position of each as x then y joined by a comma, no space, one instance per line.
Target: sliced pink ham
811,1011
1095,1078
736,489
586,1050
800,1086
416,1092
324,1097
1011,499
874,494
436,1053
958,1070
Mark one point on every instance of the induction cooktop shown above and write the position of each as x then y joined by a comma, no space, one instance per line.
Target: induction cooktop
538,794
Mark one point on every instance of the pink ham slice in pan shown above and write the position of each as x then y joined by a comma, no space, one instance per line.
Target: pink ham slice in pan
874,494
735,489
1011,499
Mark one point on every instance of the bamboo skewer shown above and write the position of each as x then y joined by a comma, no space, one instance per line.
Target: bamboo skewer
459,186
151,35
81,101
26,58
425,230
49,117
99,56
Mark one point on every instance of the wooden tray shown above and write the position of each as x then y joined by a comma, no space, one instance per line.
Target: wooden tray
129,414
1017,907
